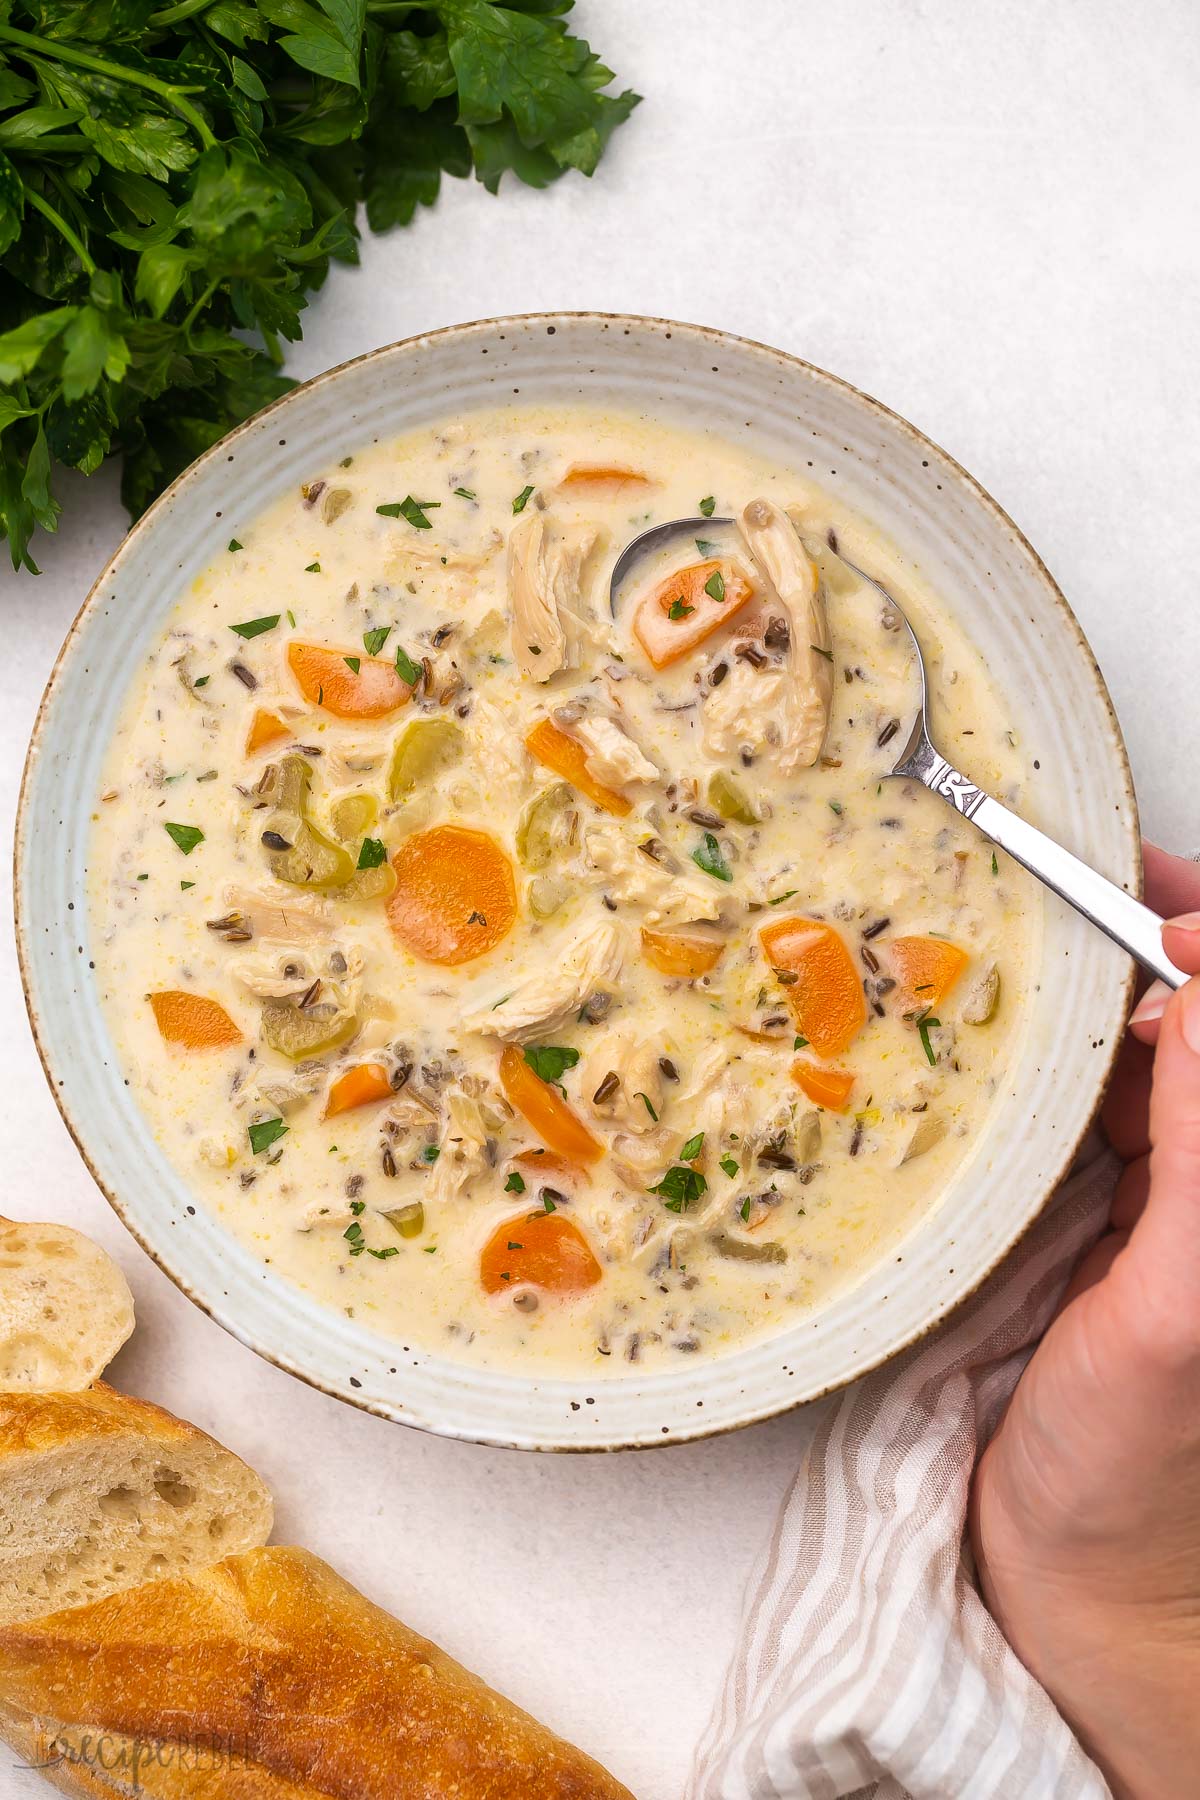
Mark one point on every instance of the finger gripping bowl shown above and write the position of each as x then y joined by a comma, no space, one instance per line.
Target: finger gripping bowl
964,545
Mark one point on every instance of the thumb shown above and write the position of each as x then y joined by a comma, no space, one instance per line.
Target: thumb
1167,1240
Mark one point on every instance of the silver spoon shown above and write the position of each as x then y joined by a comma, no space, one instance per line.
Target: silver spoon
1122,918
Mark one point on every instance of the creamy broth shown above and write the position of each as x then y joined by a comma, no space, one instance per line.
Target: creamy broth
555,1010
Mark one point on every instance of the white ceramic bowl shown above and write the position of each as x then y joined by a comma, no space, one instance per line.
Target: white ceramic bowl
975,558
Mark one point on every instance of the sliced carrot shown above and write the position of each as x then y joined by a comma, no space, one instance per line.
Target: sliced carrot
682,611
455,897
558,1126
568,758
541,1250
926,968
327,678
265,728
595,477
825,1087
826,997
687,953
358,1087
544,1165
193,1020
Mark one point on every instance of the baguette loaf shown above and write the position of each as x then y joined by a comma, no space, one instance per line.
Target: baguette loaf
267,1677
65,1308
100,1492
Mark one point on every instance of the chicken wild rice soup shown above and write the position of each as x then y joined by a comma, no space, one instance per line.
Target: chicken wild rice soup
552,991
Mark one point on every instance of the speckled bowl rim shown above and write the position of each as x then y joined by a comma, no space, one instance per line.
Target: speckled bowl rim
1127,805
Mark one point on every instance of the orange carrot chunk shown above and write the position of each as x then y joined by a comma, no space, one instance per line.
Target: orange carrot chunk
358,1087
595,477
265,728
544,1165
825,1087
926,968
688,607
541,1250
193,1020
568,758
327,679
686,953
826,997
558,1126
455,897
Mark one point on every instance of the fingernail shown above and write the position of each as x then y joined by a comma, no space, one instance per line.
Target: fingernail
1152,1004
1185,922
1189,1014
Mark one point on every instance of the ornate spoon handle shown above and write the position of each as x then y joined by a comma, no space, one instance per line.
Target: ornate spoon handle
1134,926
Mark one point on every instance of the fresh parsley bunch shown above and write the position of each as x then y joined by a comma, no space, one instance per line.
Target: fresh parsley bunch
175,180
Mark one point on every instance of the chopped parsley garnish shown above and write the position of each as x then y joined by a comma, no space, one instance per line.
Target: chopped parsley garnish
835,806
185,836
708,506
430,1153
680,1187
372,854
780,898
412,510
549,1062
924,1026
714,587
744,1209
382,1255
143,877
729,1166
827,654
312,568
710,857
645,1100
522,500
266,1133
291,618
202,681
233,546
707,546
253,628
692,1148
186,884
995,864
406,668
515,1183
464,493
548,1205
678,609
801,1043
376,638
353,663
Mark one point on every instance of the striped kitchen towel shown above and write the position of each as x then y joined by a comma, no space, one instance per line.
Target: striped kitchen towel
867,1663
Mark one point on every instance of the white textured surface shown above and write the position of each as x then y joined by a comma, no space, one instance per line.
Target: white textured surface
987,217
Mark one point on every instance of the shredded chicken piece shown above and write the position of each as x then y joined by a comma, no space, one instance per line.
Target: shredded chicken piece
744,713
635,1101
279,1092
278,912
575,966
413,555
613,758
319,1214
498,749
462,1148
545,566
803,710
633,877
287,970
713,1099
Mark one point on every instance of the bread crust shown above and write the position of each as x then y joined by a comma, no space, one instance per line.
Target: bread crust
32,1423
297,1685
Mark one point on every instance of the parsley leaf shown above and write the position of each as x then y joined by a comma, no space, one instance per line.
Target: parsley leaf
268,1132
521,500
372,855
730,1167
679,610
412,510
711,858
375,639
464,493
692,1148
714,587
406,668
680,1188
515,1183
252,628
708,506
550,1061
185,836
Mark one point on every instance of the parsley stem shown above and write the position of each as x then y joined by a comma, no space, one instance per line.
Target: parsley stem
81,59
42,205
171,15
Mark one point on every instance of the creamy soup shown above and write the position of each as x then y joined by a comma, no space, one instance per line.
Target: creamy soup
548,986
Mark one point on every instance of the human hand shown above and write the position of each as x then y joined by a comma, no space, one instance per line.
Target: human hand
1085,1514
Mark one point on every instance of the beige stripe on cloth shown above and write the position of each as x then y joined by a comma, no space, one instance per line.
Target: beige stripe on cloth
867,1664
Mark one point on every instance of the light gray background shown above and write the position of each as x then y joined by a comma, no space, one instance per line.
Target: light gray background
987,216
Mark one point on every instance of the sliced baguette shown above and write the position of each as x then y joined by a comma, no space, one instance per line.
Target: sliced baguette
99,1492
268,1678
65,1308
